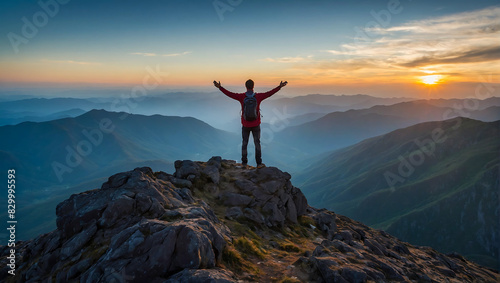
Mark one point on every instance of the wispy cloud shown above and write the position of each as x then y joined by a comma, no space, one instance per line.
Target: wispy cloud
177,54
475,55
446,42
144,54
466,23
286,59
147,54
71,62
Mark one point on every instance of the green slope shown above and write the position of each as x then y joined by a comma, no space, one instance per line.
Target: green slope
450,187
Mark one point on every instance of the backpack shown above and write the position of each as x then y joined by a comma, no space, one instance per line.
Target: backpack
250,107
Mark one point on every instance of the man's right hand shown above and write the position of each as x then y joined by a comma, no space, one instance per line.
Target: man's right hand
282,84
217,84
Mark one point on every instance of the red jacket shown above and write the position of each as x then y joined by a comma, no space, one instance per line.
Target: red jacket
241,96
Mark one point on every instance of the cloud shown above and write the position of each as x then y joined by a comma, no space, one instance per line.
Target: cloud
480,54
71,62
177,54
147,54
463,38
286,59
144,54
466,23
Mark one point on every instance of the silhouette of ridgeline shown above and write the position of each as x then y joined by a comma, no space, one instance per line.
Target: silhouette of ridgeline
217,222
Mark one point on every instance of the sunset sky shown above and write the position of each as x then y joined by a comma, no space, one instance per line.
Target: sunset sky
385,48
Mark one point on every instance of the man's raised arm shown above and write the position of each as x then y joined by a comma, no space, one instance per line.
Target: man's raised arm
225,91
274,90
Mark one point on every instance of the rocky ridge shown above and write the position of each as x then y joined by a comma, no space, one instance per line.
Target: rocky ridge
217,222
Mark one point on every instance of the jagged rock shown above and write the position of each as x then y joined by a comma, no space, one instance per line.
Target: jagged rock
299,200
352,274
276,217
215,161
186,169
145,226
369,260
253,215
273,192
325,267
77,242
245,186
185,194
234,199
401,249
234,212
125,213
290,210
345,235
326,222
190,171
181,183
78,268
155,248
341,246
212,169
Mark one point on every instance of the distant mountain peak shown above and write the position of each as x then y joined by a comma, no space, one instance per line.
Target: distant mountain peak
215,221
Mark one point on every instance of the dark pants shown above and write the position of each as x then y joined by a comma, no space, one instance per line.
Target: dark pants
256,139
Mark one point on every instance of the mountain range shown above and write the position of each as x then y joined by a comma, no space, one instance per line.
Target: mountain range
56,158
13,118
434,183
340,129
213,108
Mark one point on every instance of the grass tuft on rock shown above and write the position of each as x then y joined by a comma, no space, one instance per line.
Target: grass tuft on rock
248,247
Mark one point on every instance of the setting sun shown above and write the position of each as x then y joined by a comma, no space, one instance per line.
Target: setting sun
431,79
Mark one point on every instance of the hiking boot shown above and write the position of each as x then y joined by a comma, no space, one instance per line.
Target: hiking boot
261,165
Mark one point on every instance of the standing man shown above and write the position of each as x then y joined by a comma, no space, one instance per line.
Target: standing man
250,116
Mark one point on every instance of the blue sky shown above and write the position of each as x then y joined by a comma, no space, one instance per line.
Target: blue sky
304,42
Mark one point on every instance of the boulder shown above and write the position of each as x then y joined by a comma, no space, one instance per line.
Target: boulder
186,169
234,199
253,215
234,212
325,221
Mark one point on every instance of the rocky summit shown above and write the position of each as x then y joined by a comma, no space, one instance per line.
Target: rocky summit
218,222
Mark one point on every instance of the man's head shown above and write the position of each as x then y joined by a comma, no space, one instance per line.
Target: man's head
249,84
